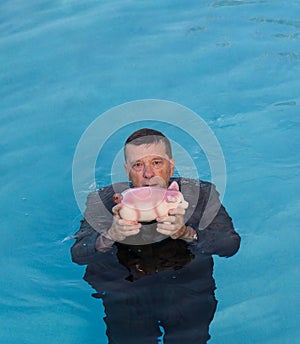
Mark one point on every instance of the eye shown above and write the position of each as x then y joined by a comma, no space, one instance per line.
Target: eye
137,166
157,163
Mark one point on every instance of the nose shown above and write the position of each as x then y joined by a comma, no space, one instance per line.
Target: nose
148,171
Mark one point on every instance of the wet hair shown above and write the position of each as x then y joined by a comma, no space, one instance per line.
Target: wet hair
148,136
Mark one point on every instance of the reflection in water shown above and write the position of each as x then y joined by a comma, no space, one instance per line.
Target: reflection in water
158,285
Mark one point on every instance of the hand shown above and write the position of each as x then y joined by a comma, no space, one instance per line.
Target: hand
173,223
121,228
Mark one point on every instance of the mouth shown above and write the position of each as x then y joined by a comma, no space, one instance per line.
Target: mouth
156,182
151,185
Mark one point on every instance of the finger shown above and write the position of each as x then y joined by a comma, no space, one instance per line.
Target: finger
128,228
131,232
177,211
162,218
164,231
167,227
170,219
123,222
116,210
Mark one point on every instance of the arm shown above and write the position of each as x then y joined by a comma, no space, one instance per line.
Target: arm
83,250
101,226
174,226
205,224
219,237
97,220
90,244
216,234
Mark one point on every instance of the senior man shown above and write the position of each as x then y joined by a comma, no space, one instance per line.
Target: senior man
169,258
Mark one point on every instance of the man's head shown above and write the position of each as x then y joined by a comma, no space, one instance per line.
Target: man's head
148,158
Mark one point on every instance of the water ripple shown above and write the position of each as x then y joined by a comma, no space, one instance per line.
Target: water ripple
223,3
289,55
286,22
287,36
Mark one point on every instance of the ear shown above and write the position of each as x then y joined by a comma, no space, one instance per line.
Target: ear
126,170
172,162
174,186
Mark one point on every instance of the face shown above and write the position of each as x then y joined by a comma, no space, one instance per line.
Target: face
148,165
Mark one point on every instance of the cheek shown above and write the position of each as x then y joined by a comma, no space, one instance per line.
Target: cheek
133,176
168,172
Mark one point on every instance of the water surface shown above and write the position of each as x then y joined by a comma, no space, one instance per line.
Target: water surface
63,63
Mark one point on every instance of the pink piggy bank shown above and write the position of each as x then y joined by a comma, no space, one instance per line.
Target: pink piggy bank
145,204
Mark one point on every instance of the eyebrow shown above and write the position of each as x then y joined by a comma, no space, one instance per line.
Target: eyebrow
141,160
151,159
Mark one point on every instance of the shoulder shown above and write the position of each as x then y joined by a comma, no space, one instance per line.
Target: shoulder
105,193
196,191
113,188
191,183
100,202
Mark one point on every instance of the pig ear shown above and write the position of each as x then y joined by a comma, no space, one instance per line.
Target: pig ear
174,186
117,198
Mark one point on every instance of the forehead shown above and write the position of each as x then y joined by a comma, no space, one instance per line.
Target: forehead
134,153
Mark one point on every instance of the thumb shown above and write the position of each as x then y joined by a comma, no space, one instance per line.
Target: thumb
116,209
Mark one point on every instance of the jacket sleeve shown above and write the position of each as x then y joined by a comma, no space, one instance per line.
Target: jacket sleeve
83,250
216,234
97,220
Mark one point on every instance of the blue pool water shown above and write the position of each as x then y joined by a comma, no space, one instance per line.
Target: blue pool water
63,63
